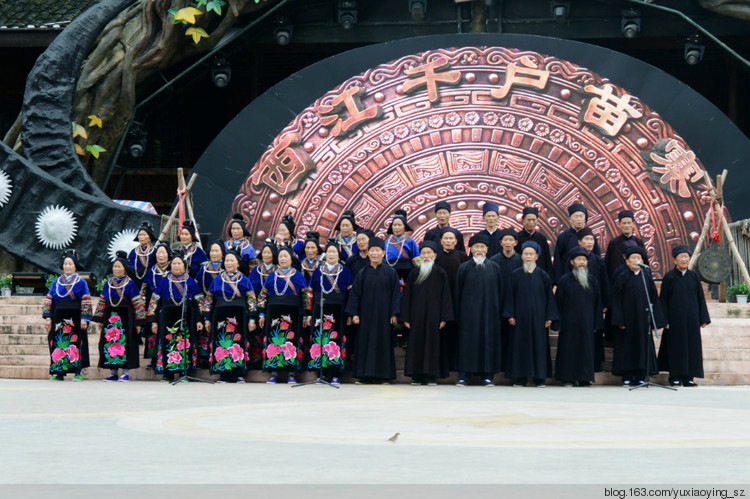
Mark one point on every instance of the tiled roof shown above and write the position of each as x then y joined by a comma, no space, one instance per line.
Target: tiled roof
40,14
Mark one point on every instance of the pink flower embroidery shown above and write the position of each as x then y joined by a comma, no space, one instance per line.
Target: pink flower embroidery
152,341
221,352
72,353
237,337
290,351
334,335
74,338
57,354
237,353
332,350
203,342
327,324
230,328
284,326
290,335
67,329
114,318
315,350
183,344
115,350
174,358
247,357
272,350
113,334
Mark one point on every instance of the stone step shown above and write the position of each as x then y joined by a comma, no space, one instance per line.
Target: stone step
728,367
26,360
21,319
23,329
729,310
19,309
21,300
22,339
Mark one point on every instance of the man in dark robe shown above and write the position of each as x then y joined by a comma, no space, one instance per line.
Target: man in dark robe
580,308
568,239
596,268
479,305
426,307
685,311
449,259
634,355
443,217
616,247
508,261
491,215
360,260
530,308
374,303
529,232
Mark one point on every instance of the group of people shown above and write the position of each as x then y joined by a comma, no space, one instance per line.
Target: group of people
299,305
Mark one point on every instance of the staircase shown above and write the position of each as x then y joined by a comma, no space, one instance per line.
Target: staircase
24,353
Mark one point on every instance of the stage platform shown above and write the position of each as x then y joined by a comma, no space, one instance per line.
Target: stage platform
24,353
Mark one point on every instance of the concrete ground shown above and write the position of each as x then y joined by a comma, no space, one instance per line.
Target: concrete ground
151,432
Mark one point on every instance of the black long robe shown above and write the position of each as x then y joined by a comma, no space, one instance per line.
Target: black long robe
450,261
531,303
479,305
545,258
495,247
424,306
567,240
436,233
355,263
580,313
613,257
684,307
375,297
507,266
630,309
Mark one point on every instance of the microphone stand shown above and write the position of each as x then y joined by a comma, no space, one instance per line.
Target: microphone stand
321,380
649,340
184,375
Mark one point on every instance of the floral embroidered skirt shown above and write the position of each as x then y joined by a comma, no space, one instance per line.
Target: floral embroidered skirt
229,344
68,345
328,340
177,352
118,341
283,343
150,340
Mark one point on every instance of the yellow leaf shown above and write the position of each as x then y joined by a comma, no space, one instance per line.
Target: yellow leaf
95,121
79,150
79,131
196,33
187,14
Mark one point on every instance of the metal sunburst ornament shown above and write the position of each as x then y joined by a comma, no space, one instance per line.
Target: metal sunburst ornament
122,241
6,188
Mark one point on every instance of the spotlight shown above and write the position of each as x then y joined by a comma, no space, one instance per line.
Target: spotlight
560,11
417,9
221,73
347,13
631,23
694,49
136,141
282,32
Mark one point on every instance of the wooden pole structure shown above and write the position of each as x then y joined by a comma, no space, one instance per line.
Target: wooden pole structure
172,216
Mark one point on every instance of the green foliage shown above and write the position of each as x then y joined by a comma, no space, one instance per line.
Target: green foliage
100,284
50,281
6,280
738,288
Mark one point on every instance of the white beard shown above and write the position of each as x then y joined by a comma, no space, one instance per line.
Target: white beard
529,267
424,271
582,276
479,260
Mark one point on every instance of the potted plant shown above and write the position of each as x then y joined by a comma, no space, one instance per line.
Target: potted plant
6,281
51,278
739,290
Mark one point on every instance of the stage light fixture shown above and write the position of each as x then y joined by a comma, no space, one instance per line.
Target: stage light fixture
221,73
694,50
347,13
560,11
631,23
282,31
136,141
417,9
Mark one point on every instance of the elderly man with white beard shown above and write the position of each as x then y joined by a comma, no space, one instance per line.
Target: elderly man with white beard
426,306
581,314
479,305
530,308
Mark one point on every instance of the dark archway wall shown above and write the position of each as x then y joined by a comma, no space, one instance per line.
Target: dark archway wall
707,131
